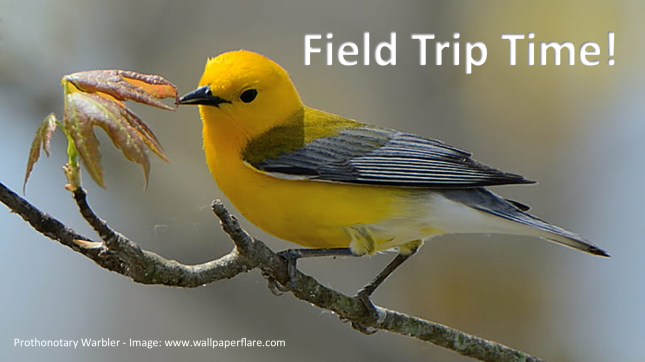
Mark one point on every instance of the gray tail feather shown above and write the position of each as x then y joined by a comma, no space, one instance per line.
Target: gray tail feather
485,200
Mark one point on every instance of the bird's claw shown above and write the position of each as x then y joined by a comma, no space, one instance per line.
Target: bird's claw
274,286
363,296
363,329
291,257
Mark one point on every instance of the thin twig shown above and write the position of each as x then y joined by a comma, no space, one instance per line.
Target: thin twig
119,254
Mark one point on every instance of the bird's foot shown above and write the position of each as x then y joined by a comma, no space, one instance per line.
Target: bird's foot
363,296
274,286
291,257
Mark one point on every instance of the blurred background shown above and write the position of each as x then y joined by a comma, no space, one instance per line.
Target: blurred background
577,129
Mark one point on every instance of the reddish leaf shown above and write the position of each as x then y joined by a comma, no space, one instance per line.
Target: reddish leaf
41,140
96,98
124,85
157,90
83,111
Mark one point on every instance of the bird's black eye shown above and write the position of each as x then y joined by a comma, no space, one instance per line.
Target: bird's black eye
249,95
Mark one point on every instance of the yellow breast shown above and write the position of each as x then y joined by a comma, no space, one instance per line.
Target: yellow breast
314,214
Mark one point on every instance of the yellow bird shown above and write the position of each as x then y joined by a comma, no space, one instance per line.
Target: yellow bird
327,182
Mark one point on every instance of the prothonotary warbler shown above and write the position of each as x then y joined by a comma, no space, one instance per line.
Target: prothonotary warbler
327,182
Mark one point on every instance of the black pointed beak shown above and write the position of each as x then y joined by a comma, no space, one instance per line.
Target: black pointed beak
203,96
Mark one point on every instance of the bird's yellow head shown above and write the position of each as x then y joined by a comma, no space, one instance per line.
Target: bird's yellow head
245,92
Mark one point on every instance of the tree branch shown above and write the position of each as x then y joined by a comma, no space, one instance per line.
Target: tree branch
117,253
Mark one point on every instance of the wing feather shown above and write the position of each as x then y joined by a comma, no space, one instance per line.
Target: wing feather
379,156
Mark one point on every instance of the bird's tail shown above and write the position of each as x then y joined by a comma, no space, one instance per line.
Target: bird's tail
484,200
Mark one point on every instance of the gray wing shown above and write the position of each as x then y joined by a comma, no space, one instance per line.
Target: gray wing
386,157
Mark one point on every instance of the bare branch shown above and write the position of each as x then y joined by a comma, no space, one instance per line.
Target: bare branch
121,255
117,253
